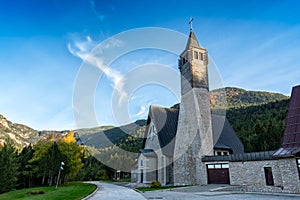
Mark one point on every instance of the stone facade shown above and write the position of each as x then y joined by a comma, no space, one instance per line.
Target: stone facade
146,169
194,137
251,175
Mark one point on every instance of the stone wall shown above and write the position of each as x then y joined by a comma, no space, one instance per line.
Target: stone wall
134,175
193,138
150,169
251,175
290,175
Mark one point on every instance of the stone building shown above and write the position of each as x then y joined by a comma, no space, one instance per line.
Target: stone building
190,146
272,171
177,139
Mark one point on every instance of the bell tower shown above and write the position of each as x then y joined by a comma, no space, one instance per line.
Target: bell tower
194,137
193,66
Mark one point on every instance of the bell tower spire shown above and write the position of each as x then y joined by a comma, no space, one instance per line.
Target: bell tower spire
193,64
194,132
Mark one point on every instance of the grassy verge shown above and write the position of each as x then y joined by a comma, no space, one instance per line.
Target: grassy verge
145,189
120,180
69,191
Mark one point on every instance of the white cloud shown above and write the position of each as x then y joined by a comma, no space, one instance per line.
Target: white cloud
83,50
143,110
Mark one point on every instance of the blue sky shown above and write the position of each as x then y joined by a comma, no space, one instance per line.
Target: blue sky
255,45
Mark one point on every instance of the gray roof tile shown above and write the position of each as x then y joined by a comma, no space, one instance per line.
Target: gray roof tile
166,120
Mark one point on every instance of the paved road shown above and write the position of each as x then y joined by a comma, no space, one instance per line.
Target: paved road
109,191
173,195
115,192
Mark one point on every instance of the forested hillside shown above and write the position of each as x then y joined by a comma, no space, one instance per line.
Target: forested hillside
260,127
236,98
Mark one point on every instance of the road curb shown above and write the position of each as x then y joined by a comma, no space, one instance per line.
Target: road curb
275,194
93,193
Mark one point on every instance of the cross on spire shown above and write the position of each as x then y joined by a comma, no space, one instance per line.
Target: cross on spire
191,23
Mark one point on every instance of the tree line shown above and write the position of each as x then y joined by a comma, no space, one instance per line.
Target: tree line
38,165
260,127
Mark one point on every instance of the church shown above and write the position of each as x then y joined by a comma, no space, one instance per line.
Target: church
188,145
177,138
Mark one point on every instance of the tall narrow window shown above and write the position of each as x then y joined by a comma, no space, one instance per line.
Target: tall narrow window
201,56
142,163
269,176
196,55
298,164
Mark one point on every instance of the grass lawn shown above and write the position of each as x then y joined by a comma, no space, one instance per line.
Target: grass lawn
69,191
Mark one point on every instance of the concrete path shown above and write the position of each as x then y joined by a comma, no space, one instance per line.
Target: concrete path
114,192
174,195
205,192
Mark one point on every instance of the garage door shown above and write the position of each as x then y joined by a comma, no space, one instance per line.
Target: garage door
218,173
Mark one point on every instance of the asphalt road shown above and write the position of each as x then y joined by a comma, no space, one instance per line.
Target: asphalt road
109,191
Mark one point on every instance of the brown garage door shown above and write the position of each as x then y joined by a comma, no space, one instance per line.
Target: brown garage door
218,173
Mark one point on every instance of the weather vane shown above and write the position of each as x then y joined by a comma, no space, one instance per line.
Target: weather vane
191,23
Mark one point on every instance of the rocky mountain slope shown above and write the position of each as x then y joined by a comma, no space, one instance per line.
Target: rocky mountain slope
21,135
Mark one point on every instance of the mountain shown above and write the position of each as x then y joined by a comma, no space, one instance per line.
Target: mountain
239,104
109,136
20,134
236,98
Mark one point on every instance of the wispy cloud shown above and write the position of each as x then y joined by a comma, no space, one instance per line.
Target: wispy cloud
143,110
83,50
100,16
87,50
81,47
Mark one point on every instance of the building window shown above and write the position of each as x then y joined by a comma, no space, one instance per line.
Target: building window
225,153
201,56
269,176
184,60
142,163
219,153
298,165
218,166
196,55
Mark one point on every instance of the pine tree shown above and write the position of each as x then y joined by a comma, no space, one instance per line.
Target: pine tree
8,167
25,169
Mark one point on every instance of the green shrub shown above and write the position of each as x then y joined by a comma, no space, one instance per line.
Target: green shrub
36,192
155,184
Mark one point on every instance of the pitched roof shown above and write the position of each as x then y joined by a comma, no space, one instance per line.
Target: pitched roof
291,138
147,152
224,135
166,120
192,41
